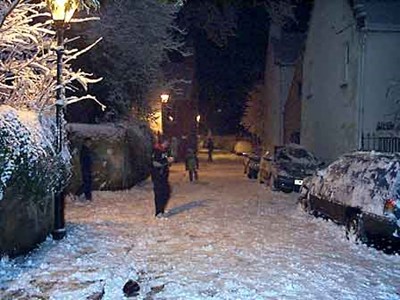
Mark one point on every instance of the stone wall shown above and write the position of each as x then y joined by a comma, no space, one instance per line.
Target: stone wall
25,220
121,154
121,158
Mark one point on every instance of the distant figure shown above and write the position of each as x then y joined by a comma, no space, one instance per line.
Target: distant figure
210,148
159,176
192,164
183,146
174,148
85,159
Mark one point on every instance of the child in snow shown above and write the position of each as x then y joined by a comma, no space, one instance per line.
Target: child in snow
192,164
159,175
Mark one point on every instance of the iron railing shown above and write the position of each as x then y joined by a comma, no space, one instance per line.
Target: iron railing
374,142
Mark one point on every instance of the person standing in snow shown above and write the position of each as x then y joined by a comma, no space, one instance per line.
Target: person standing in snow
85,159
192,164
174,148
159,175
210,147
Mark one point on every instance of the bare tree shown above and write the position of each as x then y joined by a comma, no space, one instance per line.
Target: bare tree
137,36
27,88
253,116
218,18
27,59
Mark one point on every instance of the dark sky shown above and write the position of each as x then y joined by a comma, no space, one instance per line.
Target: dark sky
226,74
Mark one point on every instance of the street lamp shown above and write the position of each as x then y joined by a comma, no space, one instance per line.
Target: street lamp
61,12
164,98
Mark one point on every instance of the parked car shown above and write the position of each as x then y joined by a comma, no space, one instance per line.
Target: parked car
287,167
251,164
361,191
243,147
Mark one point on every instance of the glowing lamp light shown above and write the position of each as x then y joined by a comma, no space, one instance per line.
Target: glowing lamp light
164,98
198,118
62,10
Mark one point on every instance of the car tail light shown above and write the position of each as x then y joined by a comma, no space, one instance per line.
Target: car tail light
390,204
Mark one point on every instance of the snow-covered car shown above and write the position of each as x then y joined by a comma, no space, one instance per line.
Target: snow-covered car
361,191
287,167
243,147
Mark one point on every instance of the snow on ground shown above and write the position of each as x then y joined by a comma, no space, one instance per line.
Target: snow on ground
226,237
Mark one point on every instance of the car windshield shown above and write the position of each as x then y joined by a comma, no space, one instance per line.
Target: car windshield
296,155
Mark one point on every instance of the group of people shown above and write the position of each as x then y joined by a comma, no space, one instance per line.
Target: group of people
159,170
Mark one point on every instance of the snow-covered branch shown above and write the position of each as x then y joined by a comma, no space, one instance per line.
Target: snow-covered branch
133,50
6,8
27,61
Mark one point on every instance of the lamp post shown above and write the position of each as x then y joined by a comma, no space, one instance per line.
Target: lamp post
61,12
164,101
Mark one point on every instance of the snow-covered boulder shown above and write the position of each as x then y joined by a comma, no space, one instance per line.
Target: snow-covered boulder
29,173
121,154
360,179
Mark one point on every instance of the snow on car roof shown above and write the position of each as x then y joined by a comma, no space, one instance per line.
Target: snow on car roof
297,154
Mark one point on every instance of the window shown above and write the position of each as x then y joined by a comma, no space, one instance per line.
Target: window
346,62
309,84
299,89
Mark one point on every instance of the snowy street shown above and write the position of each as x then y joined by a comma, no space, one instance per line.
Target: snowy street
226,237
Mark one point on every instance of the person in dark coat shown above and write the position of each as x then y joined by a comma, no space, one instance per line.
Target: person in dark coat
85,159
192,164
210,148
159,176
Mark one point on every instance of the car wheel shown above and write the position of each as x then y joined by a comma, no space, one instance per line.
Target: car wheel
355,229
274,185
305,204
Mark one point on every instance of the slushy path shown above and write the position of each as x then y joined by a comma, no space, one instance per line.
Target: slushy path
226,237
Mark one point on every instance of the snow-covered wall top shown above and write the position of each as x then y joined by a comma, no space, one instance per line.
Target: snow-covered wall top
359,179
96,130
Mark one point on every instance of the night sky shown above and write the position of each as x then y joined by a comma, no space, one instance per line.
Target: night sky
226,74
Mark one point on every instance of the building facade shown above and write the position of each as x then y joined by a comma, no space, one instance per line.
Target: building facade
282,53
350,74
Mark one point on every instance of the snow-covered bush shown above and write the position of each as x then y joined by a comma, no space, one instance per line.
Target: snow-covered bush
27,95
26,154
